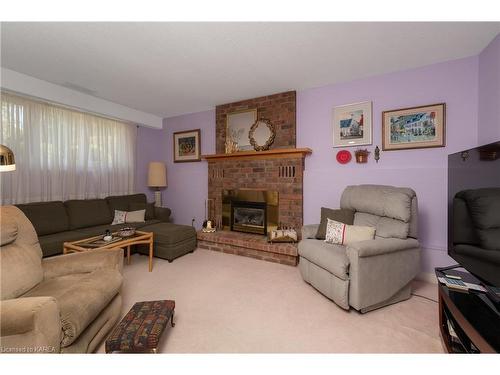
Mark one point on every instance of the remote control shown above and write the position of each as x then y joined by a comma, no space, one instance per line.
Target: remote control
453,283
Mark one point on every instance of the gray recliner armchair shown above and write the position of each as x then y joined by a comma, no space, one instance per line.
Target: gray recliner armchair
369,274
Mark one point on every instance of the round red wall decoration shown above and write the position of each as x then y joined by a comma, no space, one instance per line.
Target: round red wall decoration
344,157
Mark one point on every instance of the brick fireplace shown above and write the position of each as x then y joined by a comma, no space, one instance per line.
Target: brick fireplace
263,189
275,174
279,171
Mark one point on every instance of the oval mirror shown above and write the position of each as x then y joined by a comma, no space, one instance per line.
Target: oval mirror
262,135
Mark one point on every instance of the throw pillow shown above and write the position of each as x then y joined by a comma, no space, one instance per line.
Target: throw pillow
122,217
135,216
341,215
149,207
119,217
343,234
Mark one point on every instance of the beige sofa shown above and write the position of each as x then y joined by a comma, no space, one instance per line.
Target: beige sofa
62,304
369,274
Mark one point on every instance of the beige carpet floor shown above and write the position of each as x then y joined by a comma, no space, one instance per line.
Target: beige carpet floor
232,304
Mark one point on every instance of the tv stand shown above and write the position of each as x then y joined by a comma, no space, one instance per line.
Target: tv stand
468,321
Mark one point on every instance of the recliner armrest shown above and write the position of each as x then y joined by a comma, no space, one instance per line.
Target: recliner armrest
380,246
30,325
87,261
163,214
309,231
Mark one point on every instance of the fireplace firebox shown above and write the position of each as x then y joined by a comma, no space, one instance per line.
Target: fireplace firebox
249,217
256,211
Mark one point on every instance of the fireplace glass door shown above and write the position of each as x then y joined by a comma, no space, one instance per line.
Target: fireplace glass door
250,217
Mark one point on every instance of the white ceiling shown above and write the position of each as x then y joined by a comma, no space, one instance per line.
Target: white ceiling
169,69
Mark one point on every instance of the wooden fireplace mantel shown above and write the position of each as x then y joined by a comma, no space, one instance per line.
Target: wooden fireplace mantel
276,153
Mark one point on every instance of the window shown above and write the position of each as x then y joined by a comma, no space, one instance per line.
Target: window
64,154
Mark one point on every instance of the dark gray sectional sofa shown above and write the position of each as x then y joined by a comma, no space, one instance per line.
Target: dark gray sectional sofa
58,222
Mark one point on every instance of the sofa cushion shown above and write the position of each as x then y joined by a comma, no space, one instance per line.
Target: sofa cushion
81,297
168,233
341,215
46,217
101,229
330,257
52,244
122,202
149,207
380,200
84,213
144,224
384,227
21,259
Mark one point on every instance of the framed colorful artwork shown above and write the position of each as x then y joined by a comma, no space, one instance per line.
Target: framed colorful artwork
417,127
187,146
352,125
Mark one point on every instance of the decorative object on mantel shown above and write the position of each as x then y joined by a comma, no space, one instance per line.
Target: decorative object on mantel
416,127
187,146
231,145
7,162
262,134
377,154
352,125
361,156
344,157
157,179
283,235
238,126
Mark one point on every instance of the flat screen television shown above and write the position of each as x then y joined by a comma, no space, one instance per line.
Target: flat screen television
474,211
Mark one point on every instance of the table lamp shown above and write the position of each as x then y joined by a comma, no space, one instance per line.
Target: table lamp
157,178
7,162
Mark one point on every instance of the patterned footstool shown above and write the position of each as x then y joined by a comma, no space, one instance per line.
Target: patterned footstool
140,330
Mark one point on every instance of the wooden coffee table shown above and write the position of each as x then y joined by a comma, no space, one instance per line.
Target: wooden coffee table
92,243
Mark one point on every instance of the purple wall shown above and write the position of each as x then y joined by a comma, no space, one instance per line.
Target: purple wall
489,93
424,170
187,182
151,146
454,82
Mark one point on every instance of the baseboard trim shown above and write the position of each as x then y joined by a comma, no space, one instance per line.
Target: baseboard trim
428,277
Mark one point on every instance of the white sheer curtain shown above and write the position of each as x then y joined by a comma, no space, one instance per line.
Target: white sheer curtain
64,154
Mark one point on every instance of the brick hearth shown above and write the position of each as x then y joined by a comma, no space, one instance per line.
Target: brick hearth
250,245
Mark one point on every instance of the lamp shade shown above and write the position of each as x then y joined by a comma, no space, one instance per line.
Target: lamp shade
7,162
157,174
